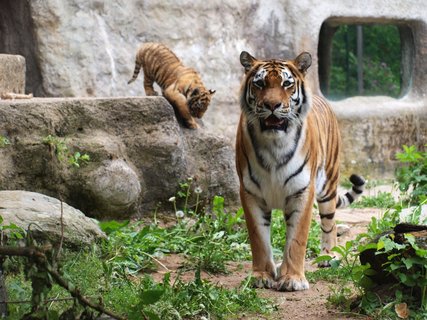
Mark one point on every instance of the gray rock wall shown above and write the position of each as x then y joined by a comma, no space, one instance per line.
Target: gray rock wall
86,48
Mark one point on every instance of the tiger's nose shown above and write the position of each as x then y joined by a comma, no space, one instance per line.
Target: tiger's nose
272,106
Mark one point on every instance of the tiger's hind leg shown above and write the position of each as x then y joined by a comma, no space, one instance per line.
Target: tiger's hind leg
148,86
327,206
328,227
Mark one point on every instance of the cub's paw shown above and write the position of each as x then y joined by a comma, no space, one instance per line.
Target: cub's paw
263,279
192,124
292,283
151,93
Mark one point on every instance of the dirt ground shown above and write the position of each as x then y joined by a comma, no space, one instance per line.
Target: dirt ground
308,305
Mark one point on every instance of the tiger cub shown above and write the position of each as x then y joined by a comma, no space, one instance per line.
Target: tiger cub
287,156
181,86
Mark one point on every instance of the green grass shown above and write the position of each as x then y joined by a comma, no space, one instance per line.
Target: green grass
123,294
383,200
118,269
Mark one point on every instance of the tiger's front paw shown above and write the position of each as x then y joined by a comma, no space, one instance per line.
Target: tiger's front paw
263,279
292,283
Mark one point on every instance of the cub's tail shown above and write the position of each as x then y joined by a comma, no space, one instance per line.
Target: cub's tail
355,192
135,71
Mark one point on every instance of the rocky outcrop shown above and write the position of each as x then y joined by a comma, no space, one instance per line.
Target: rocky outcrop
42,216
82,48
138,154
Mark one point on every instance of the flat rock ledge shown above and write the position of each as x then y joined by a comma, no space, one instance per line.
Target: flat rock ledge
139,154
42,214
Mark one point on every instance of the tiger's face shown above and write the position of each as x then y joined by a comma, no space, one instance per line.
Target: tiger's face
273,90
198,101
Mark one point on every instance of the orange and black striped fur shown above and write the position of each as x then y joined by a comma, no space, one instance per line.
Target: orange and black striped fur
287,156
181,86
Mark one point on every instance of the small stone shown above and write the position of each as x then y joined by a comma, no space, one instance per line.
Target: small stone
342,229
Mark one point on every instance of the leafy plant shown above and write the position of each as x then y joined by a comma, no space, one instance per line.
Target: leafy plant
77,159
199,298
406,262
208,240
11,231
4,141
63,153
385,223
412,175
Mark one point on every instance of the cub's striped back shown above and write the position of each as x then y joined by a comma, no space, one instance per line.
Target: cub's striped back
181,86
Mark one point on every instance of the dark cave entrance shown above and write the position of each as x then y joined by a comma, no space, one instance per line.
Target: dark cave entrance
17,37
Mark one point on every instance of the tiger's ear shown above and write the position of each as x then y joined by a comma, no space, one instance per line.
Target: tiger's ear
247,60
303,61
211,92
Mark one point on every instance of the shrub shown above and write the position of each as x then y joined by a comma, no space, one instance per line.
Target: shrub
412,175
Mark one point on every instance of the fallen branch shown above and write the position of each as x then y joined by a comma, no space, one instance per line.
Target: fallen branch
40,259
13,96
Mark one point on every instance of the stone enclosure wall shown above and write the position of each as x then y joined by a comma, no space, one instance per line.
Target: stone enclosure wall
85,48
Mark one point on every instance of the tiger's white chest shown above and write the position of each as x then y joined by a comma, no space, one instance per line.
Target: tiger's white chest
272,181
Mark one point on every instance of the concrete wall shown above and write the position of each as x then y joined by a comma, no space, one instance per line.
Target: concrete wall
87,48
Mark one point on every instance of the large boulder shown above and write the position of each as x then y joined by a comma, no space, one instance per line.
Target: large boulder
42,216
138,154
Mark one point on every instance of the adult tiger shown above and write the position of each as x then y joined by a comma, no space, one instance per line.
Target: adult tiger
181,86
287,154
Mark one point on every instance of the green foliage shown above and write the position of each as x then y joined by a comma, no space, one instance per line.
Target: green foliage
11,231
137,298
406,262
184,195
412,175
385,223
380,200
381,61
208,242
63,154
77,159
4,141
198,298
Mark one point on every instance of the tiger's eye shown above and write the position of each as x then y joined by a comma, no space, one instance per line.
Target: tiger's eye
287,83
259,83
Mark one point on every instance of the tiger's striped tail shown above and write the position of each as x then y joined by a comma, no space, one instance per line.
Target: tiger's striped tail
135,71
350,196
